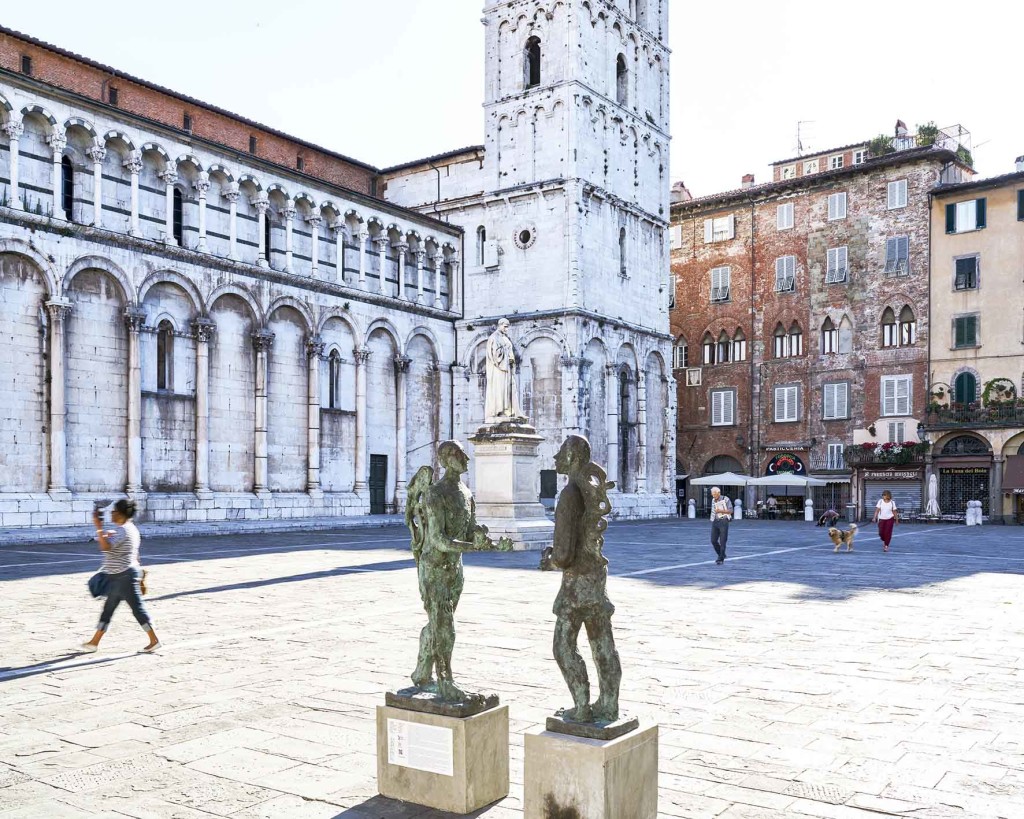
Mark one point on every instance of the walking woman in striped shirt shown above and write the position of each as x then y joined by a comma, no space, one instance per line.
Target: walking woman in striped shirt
120,547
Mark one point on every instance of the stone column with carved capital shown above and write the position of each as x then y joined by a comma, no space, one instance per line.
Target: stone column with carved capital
421,258
454,284
315,352
438,260
611,392
401,249
134,318
641,444
133,164
232,194
262,205
315,221
362,236
58,485
401,427
362,358
97,153
202,331
170,178
262,341
288,213
202,186
383,243
14,130
339,243
58,141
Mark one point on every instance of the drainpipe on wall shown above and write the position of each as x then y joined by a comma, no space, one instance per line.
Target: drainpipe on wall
750,427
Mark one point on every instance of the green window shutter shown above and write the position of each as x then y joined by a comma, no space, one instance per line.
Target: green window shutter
950,218
980,213
958,335
972,330
1020,206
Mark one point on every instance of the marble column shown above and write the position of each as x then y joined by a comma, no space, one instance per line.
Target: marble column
262,342
202,331
438,260
641,447
288,212
421,257
262,205
401,426
611,391
362,236
362,357
232,194
97,153
133,164
58,141
170,177
383,243
454,284
202,186
14,130
315,221
315,352
58,485
401,249
339,242
134,318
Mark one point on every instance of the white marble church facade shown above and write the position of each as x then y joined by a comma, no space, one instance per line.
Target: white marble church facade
565,214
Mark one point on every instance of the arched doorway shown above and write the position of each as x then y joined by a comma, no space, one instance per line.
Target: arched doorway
964,466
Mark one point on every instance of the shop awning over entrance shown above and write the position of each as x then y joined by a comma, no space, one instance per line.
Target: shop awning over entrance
1013,476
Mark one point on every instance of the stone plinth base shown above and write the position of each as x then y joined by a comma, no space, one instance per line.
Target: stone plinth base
447,763
573,776
506,479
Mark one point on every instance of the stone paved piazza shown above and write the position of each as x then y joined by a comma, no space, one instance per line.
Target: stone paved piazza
788,682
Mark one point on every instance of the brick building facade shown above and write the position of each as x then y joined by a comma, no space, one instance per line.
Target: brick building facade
801,320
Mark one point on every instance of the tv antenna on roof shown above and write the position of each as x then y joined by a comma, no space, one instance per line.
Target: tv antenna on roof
799,137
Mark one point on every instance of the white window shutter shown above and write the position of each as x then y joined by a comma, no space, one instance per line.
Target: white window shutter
732,226
729,414
888,396
830,400
903,247
709,231
842,400
903,396
676,237
842,258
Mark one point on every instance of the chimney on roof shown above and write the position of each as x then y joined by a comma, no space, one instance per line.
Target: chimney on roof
901,128
748,181
1020,164
680,193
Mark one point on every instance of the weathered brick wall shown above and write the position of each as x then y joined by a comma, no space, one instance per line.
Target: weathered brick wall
287,391
133,98
23,410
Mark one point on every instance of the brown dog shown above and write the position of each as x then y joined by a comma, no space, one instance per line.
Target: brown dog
840,537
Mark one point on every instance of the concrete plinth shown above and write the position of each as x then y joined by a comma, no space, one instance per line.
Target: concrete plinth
447,763
506,477
573,776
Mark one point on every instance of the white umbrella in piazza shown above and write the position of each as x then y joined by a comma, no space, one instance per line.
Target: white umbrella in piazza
933,497
722,479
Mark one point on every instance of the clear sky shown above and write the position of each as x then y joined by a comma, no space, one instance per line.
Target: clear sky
395,80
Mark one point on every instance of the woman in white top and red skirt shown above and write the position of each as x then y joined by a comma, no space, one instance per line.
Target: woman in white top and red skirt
887,516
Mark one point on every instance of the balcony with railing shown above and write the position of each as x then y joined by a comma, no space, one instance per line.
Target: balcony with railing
832,462
993,414
908,452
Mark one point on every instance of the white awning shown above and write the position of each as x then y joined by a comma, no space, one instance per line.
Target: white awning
722,479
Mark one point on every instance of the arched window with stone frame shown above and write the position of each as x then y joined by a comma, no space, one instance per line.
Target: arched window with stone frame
908,327
796,339
829,337
67,187
680,354
622,252
781,341
165,356
890,332
724,350
845,335
621,80
334,380
531,63
178,218
739,345
481,245
268,236
708,349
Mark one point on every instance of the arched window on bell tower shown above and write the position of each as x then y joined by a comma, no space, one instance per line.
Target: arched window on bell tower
67,187
531,68
481,245
622,252
621,81
165,356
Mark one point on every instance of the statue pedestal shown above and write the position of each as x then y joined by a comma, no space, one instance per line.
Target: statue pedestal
507,467
456,764
574,776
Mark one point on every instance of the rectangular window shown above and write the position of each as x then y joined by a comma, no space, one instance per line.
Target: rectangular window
965,331
897,194
739,349
681,356
837,266
252,144
837,401
784,216
962,217
719,230
860,157
300,163
835,162
112,95
810,166
789,172
897,432
723,408
787,404
890,334
837,206
186,122
829,339
966,273
1020,206
897,256
834,459
708,353
785,274
26,65
720,280
896,395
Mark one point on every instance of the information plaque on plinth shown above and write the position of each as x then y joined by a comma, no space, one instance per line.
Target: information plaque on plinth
506,494
567,775
447,756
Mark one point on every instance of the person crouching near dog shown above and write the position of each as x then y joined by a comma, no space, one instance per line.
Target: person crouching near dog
887,516
120,547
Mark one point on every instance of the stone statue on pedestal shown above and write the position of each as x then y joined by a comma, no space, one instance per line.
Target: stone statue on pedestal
502,401
442,519
583,600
